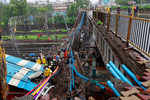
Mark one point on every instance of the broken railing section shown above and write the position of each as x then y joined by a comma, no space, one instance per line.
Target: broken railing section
131,29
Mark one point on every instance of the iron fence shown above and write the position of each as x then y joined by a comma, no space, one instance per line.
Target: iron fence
135,31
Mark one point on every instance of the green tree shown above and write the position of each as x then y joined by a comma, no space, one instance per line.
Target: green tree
72,10
18,7
122,2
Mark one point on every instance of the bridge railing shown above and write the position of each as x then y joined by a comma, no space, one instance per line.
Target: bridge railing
135,31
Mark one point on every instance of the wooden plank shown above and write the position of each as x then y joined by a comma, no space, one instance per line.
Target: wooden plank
148,70
133,97
146,84
146,77
143,61
144,97
129,92
147,73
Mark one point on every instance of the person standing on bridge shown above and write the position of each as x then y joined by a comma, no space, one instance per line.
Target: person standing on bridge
129,11
118,10
136,10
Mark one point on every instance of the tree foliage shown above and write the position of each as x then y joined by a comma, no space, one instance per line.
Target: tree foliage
72,10
122,2
18,7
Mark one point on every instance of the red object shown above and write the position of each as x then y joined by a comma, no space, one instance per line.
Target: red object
49,38
39,35
65,54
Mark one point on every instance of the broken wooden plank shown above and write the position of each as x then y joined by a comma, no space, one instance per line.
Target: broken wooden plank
148,70
143,61
133,97
146,77
146,84
130,92
147,73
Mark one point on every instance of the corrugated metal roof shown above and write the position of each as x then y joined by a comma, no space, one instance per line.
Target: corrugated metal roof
18,71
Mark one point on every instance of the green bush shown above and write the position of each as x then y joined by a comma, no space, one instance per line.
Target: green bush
38,31
63,30
43,38
20,37
35,37
54,30
99,22
31,37
146,7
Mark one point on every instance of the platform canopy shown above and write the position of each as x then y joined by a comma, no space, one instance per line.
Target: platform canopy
18,71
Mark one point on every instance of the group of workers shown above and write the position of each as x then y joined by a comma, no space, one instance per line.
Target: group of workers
133,11
51,62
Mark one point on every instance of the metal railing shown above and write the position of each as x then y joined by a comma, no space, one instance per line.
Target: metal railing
135,31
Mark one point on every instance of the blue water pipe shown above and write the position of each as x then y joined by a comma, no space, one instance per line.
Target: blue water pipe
112,71
110,84
123,78
73,79
133,76
86,79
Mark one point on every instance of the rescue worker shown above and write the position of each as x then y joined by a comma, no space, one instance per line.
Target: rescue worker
38,60
133,10
57,58
129,11
44,61
47,72
136,10
65,54
118,10
48,59
108,10
54,64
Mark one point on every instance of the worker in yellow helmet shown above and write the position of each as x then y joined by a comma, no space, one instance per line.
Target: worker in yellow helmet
44,60
38,60
47,72
133,10
108,10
